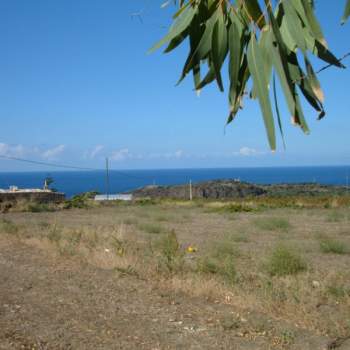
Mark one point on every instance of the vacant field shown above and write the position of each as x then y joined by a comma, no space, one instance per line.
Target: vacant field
175,275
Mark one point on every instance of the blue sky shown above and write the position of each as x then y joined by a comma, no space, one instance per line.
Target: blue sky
77,85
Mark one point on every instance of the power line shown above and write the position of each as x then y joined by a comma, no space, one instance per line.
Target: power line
46,164
73,167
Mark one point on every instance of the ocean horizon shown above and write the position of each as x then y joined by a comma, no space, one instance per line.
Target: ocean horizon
74,182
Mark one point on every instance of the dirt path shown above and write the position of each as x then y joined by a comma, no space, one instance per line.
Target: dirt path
49,302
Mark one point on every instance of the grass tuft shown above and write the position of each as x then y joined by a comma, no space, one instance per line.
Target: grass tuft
333,246
284,261
7,226
220,261
273,224
39,208
151,228
171,257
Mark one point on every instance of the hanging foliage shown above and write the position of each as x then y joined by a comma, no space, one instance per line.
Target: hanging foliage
261,41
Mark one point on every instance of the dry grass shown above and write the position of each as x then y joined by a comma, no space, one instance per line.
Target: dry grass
239,258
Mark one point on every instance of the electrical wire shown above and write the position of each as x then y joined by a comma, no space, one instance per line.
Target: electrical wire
73,167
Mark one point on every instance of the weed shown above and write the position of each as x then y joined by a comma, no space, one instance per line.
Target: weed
162,218
151,228
90,238
273,224
171,257
69,245
284,261
333,246
80,200
127,271
130,221
240,237
145,201
55,233
338,291
39,207
119,246
220,261
43,225
335,216
287,337
8,226
232,208
229,322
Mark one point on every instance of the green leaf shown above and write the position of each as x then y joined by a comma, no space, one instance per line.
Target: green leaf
235,57
203,49
314,82
346,12
278,110
219,48
180,25
243,77
294,25
174,43
313,24
256,66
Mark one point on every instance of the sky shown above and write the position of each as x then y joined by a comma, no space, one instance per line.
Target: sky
77,85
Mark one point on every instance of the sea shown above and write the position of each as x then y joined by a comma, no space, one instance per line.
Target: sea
75,182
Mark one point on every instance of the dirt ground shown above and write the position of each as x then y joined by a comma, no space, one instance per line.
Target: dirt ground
61,292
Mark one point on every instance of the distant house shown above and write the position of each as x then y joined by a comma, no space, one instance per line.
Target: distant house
15,194
113,197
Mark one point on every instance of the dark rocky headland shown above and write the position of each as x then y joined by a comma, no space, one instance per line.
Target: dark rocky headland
233,189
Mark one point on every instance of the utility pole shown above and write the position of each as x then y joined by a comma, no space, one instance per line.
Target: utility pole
190,190
107,178
347,183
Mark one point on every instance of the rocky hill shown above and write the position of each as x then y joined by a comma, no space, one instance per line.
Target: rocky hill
231,189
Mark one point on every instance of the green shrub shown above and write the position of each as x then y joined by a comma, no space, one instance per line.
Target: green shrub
220,260
145,201
170,255
333,246
273,224
80,200
284,261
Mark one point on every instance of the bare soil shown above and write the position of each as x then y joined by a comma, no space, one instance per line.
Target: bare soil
57,299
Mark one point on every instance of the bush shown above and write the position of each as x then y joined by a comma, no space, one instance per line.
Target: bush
39,207
333,246
220,261
273,224
284,261
171,257
145,201
80,200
